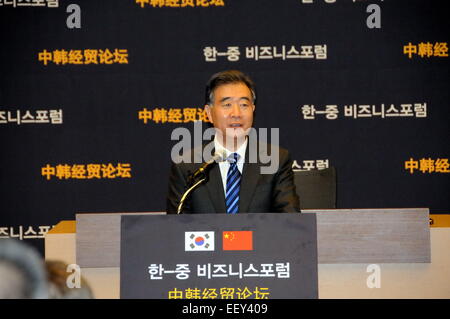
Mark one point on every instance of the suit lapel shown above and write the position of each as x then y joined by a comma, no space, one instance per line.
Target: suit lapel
215,187
249,180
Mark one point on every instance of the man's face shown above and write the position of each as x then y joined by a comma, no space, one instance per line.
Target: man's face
232,110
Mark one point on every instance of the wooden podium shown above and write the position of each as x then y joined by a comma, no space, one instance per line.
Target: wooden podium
412,261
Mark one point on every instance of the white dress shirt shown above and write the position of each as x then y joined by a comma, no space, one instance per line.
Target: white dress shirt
225,165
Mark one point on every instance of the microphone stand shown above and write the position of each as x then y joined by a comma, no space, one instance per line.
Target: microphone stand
188,192
203,173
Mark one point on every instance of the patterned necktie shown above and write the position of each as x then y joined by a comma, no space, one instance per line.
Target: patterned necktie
233,185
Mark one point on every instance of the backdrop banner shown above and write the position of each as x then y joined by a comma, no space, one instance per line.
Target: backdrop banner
91,92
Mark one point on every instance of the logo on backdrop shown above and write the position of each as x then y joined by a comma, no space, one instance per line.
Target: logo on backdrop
272,52
87,171
84,56
357,111
31,117
173,115
428,165
36,4
180,4
426,50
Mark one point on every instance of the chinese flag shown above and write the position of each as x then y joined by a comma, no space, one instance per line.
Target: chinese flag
237,240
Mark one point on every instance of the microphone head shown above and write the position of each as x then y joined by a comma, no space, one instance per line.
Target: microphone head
219,157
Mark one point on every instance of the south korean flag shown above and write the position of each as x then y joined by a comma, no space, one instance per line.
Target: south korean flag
199,241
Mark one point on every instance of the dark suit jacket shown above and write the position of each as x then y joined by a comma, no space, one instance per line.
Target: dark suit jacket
259,193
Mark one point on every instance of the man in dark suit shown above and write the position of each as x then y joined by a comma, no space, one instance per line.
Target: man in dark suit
237,184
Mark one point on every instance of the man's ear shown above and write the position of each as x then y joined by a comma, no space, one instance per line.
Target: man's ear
208,112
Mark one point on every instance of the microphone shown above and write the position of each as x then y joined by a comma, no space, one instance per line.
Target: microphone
192,184
205,166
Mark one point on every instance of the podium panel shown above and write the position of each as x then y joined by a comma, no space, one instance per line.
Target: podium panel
373,235
412,256
344,236
244,256
98,239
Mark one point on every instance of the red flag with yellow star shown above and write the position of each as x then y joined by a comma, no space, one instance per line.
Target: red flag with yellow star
237,240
